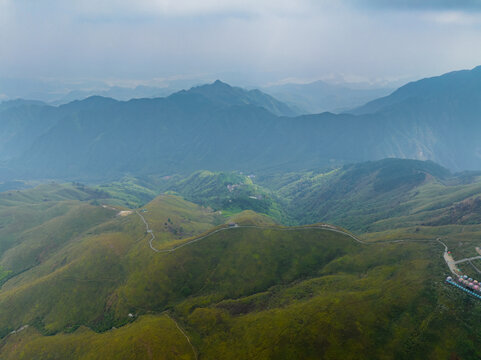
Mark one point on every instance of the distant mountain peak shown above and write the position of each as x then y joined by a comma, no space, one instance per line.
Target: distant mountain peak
224,94
217,85
220,83
94,98
91,101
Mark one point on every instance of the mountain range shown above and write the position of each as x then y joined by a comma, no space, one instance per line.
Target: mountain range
219,127
115,92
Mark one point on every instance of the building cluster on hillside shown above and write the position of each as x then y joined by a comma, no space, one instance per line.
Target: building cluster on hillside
231,187
469,283
466,284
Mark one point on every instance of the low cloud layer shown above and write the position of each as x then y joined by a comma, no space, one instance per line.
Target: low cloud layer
270,40
467,5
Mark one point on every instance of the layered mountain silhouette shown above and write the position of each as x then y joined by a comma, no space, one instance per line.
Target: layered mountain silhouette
217,126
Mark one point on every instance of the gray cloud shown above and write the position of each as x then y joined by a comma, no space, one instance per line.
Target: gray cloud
462,5
123,41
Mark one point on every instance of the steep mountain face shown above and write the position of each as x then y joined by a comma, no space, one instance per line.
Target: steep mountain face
435,119
173,134
183,132
357,196
21,123
102,136
450,87
218,127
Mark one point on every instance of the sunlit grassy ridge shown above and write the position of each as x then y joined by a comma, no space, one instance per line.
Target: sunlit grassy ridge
150,337
75,284
269,291
40,241
282,294
36,222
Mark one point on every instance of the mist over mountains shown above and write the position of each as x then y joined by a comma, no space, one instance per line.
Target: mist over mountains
231,180
321,96
217,126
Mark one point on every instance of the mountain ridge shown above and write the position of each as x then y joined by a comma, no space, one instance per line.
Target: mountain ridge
219,127
463,81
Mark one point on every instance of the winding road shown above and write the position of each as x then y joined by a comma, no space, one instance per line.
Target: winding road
149,231
294,228
450,262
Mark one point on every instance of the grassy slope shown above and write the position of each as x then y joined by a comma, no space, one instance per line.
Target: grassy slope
366,197
41,241
383,195
150,337
75,285
258,292
35,222
133,192
242,293
202,187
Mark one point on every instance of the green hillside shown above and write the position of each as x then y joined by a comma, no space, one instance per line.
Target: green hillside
379,195
362,197
147,338
34,223
90,281
81,265
228,192
271,293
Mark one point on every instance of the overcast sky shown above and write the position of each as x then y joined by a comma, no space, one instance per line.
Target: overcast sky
262,40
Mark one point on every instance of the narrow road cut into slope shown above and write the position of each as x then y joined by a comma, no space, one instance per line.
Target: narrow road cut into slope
450,262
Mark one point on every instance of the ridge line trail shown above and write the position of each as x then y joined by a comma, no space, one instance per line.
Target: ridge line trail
183,333
293,228
450,262
149,231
